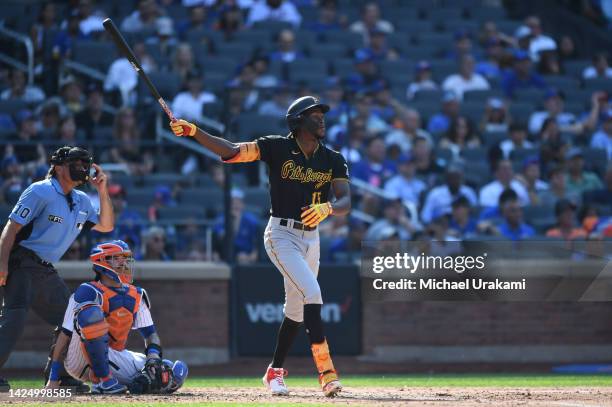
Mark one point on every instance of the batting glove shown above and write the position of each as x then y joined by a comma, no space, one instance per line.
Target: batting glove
183,128
312,215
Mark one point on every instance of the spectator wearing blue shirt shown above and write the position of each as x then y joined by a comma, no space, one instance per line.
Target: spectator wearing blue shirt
405,185
379,47
602,139
46,220
489,67
512,226
367,75
286,51
521,76
440,122
65,39
246,230
461,224
375,169
439,199
328,19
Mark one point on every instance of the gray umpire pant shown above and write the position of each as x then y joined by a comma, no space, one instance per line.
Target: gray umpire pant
295,253
31,283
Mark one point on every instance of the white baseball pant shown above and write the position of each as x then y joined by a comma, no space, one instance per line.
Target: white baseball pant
125,365
295,253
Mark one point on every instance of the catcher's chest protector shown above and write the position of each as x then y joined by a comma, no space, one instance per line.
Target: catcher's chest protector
119,312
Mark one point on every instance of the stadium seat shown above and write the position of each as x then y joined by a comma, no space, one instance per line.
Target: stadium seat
441,15
540,217
453,26
562,83
180,212
217,64
253,37
169,179
520,155
343,67
414,27
252,125
521,111
478,154
574,68
240,52
484,13
441,68
349,39
95,54
167,83
258,197
429,96
12,106
493,139
472,110
596,160
482,96
604,84
308,67
329,51
207,198
477,173
140,196
272,26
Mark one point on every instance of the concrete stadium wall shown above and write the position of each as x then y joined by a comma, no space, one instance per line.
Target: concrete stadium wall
455,332
191,308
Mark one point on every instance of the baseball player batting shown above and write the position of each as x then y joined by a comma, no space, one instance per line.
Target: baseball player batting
96,326
302,170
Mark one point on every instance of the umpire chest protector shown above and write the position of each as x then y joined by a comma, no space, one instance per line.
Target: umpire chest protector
119,311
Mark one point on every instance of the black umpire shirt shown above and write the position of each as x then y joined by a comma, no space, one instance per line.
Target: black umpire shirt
295,180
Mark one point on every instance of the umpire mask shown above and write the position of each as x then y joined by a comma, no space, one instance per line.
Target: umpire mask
78,159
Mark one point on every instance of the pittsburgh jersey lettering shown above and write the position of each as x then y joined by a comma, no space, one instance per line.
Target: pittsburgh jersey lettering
290,170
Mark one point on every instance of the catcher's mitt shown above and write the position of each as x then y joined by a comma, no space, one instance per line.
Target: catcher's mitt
155,377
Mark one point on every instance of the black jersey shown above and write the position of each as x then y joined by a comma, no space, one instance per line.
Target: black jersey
297,181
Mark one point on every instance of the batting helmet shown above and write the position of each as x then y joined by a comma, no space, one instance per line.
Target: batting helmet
295,113
113,259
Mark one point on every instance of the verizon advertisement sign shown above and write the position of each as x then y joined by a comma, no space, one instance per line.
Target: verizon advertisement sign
259,305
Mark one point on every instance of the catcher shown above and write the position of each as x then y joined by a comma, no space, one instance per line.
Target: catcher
96,326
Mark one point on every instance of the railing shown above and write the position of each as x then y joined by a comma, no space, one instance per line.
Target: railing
27,42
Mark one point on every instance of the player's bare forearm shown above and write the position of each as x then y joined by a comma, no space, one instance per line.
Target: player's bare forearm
342,205
107,215
152,339
59,351
223,148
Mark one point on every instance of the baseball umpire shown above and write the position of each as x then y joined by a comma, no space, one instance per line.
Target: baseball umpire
302,170
48,217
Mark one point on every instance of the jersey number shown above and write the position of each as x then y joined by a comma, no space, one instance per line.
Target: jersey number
22,211
316,198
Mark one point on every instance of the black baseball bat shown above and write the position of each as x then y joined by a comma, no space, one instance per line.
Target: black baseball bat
129,54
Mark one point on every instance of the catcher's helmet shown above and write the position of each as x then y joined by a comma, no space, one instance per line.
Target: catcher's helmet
113,259
295,113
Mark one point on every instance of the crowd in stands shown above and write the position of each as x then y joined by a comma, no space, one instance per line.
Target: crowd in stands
467,124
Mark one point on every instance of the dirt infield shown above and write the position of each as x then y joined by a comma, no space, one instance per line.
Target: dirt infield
378,396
